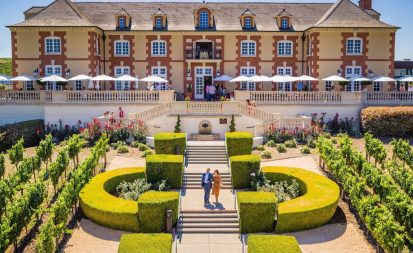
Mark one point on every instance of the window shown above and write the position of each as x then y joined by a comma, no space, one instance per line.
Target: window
78,85
329,85
248,48
158,48
122,85
159,22
354,46
309,46
28,85
284,23
203,19
122,22
285,48
376,86
248,71
353,72
247,23
53,45
284,71
97,46
121,48
53,70
161,72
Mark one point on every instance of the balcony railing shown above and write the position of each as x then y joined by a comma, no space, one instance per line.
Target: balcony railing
214,54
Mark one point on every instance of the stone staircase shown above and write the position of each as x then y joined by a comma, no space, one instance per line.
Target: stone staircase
206,155
208,222
193,180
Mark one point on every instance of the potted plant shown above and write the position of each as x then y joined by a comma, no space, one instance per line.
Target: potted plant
188,91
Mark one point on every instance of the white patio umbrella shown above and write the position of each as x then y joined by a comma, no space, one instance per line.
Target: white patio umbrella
360,79
260,78
4,78
406,79
80,78
103,78
154,79
306,78
384,79
53,78
127,78
335,78
23,78
283,79
240,79
223,78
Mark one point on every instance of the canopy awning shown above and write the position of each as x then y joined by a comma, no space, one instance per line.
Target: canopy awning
335,78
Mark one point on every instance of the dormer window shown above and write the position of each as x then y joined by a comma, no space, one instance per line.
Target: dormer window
159,20
203,19
158,23
122,22
284,23
248,23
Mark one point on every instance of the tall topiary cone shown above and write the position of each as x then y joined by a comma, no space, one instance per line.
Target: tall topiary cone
232,125
178,125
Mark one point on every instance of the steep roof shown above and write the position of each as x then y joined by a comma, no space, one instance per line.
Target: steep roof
345,13
180,15
58,13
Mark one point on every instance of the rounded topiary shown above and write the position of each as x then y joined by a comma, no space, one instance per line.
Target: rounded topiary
271,143
260,148
317,202
146,153
122,149
266,155
305,150
291,143
142,147
281,148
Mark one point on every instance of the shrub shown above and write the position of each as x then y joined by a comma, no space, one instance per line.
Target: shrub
148,243
170,143
99,205
311,144
117,144
305,150
252,205
291,143
165,167
272,243
284,190
239,143
122,149
315,206
135,144
271,143
142,147
266,155
232,124
387,121
152,209
178,125
133,190
281,148
147,153
31,131
241,168
260,148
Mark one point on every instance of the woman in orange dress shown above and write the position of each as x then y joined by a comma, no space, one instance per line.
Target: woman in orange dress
217,185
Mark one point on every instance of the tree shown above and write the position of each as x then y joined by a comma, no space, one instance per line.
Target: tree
232,124
45,150
16,152
178,125
2,166
74,146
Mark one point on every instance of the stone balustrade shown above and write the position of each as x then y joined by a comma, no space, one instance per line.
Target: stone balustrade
388,98
300,122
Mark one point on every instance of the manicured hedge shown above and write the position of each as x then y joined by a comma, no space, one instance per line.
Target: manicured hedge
316,205
107,210
272,243
145,243
241,168
170,143
257,211
239,143
165,167
388,121
9,134
152,209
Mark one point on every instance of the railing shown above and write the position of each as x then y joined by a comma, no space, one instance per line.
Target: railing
292,97
257,113
388,98
152,112
204,108
111,96
11,97
301,122
203,54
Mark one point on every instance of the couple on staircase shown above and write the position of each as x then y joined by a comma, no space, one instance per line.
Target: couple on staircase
209,181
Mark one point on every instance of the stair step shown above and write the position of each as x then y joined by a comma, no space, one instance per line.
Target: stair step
220,216
209,225
209,230
201,162
206,147
217,211
199,187
210,220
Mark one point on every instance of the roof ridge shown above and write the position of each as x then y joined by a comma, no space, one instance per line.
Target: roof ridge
329,12
76,10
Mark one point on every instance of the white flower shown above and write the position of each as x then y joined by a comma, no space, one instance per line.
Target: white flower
252,174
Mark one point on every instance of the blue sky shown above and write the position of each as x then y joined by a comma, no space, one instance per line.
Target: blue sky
395,12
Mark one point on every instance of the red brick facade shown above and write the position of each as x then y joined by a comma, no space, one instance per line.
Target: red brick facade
161,61
251,61
314,58
117,61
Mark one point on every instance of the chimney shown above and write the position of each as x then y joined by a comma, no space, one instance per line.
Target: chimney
365,4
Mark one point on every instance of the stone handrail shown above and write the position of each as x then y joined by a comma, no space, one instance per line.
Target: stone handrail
257,113
111,96
206,108
152,112
388,98
301,122
13,97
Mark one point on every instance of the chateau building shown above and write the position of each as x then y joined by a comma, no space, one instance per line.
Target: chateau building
190,44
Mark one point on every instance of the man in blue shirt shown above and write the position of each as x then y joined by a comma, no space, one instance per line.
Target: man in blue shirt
206,183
